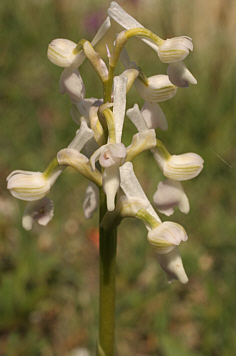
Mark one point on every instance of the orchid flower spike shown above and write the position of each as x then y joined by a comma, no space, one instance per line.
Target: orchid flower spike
40,210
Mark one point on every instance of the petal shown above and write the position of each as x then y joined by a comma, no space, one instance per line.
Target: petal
120,83
154,116
91,200
41,210
169,194
134,114
72,83
179,75
172,264
101,32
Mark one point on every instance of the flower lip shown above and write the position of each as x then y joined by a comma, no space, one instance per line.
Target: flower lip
41,210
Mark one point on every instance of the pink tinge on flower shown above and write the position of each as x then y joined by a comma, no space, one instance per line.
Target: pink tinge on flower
109,155
112,154
41,211
169,194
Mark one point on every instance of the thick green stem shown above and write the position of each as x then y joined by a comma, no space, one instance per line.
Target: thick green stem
107,247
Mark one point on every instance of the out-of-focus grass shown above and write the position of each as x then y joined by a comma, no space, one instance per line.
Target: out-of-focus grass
49,276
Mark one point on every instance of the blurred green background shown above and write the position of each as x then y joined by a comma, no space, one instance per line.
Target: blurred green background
49,276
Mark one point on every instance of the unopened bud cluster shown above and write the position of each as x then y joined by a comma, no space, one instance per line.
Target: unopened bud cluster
97,150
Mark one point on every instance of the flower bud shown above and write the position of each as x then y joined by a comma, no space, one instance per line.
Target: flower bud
158,88
175,49
166,236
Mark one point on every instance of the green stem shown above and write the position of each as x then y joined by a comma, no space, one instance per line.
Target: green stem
107,254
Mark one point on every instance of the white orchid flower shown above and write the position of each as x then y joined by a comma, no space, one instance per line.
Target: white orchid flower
169,194
179,75
30,186
64,53
165,237
41,211
178,167
110,157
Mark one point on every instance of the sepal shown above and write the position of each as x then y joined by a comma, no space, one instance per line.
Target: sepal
158,88
166,236
175,49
